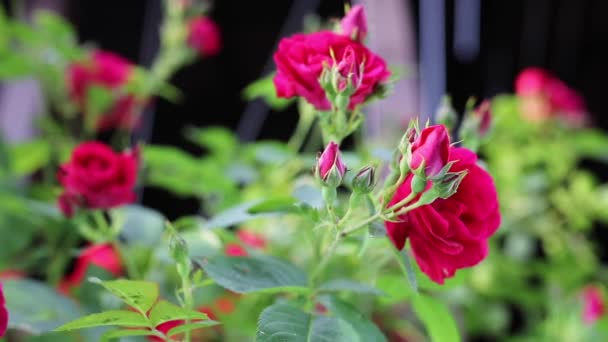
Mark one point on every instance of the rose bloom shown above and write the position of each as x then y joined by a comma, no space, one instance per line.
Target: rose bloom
103,256
96,177
593,304
204,36
300,60
109,71
3,313
450,234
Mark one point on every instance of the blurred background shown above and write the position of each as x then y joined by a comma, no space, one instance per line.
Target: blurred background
460,47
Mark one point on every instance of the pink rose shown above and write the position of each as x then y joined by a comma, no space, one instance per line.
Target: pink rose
354,24
433,147
330,160
234,249
450,234
300,60
593,304
204,36
103,256
543,96
97,178
251,239
112,72
3,313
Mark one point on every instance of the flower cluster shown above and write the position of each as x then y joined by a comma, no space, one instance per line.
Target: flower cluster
452,231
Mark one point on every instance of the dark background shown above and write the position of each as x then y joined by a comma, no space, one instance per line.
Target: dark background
567,37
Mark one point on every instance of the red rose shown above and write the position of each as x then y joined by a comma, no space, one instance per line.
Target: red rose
251,239
103,256
354,24
3,313
97,178
110,71
450,234
300,60
433,147
204,36
593,304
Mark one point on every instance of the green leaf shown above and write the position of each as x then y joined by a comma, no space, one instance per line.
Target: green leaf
165,311
192,326
99,100
141,225
366,330
55,26
13,66
395,287
286,323
235,215
140,295
220,141
338,285
112,334
29,156
275,205
114,317
244,274
35,307
436,318
264,88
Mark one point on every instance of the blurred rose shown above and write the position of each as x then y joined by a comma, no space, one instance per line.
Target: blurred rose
484,115
593,304
111,72
300,60
12,274
354,24
3,313
450,234
432,147
233,249
251,239
543,95
96,177
204,36
103,256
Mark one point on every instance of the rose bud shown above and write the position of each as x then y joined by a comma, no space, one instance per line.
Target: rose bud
349,73
593,304
431,149
204,36
354,24
96,177
330,169
3,313
483,113
365,180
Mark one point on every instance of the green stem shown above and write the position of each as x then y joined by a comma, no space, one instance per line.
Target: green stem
360,225
188,298
298,138
403,202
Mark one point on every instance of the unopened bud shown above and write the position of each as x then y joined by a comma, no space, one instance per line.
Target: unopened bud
330,168
364,181
446,114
